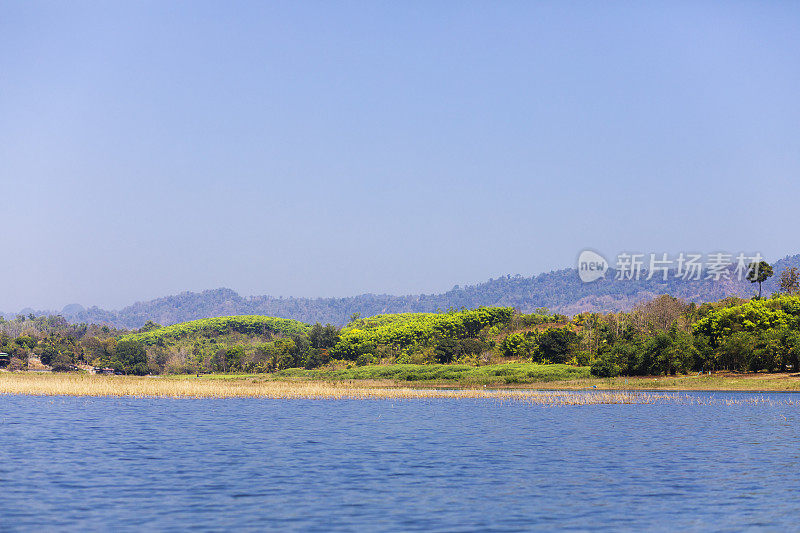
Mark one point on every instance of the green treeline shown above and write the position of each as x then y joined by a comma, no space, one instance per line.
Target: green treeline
266,344
153,334
663,336
225,345
667,336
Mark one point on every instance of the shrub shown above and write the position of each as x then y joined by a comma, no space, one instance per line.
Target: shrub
316,358
514,345
406,330
736,350
556,345
364,359
129,357
48,354
26,341
447,350
582,358
323,337
605,366
62,362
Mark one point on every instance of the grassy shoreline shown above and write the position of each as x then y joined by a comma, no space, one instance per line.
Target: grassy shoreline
534,376
337,385
77,384
722,382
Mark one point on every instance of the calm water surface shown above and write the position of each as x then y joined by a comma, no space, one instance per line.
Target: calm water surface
454,465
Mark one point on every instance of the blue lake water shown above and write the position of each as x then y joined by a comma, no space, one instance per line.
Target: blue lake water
71,463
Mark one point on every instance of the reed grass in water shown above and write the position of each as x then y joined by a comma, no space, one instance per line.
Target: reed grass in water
42,384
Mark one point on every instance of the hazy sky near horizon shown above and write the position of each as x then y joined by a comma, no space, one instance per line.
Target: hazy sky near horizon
336,148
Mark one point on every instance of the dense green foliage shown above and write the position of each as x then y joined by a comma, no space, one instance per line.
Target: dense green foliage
756,335
556,345
673,337
403,334
235,344
51,341
215,327
128,358
752,316
465,374
264,344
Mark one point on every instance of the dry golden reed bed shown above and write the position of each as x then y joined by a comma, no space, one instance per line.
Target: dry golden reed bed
42,384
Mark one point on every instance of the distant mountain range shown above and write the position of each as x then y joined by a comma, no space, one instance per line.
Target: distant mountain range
560,291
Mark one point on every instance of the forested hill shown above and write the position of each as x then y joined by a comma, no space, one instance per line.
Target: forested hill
560,291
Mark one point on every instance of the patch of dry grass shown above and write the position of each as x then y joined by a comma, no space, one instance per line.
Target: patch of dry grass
721,381
91,385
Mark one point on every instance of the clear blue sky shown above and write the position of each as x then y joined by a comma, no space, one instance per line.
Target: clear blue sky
335,148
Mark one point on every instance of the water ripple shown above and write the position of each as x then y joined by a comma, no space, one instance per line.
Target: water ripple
710,461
